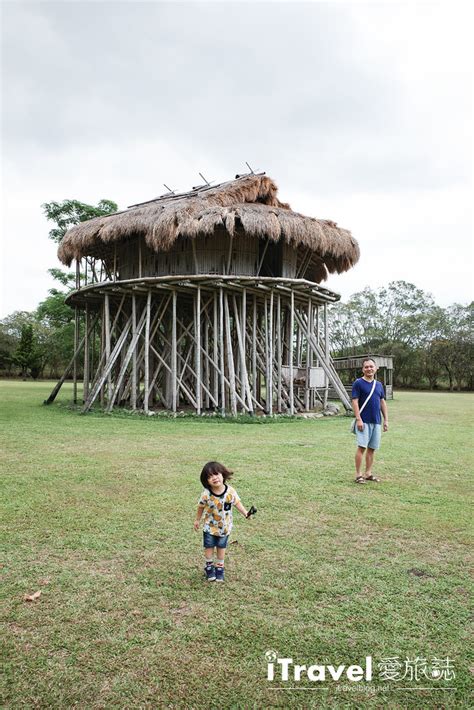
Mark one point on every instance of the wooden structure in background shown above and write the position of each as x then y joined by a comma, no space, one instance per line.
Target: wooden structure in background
208,300
350,367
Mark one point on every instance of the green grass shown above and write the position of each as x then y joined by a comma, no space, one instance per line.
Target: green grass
98,514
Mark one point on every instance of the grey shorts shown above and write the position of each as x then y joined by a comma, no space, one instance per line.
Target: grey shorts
370,437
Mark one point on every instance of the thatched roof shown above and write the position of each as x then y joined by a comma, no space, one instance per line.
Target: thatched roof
248,203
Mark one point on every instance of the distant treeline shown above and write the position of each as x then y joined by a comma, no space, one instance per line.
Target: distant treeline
432,346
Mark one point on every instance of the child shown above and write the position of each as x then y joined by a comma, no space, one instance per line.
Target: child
216,503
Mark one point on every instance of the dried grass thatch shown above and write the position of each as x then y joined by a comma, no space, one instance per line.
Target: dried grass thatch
248,203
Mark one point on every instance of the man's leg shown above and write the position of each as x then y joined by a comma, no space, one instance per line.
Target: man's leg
369,460
358,460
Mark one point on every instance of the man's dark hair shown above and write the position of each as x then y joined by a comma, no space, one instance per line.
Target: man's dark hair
214,467
368,359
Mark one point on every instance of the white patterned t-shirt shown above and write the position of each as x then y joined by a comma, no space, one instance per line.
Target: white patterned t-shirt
218,510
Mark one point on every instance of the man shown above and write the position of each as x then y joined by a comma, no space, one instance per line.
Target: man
368,418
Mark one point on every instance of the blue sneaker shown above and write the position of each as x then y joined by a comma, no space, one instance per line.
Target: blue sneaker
209,571
219,574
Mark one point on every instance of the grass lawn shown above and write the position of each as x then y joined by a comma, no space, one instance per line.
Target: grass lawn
98,514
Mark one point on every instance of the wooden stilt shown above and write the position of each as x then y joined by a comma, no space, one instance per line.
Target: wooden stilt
278,345
197,336
174,390
215,345
254,347
290,344
221,348
133,393
230,359
76,346
308,359
326,353
85,389
68,369
270,355
246,393
147,351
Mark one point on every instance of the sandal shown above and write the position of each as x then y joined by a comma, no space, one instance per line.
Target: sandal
360,479
372,478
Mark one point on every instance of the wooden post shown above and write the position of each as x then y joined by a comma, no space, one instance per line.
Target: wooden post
221,346
254,347
270,355
86,355
60,383
215,347
206,361
326,353
278,344
174,389
292,325
244,378
147,351
76,344
139,257
230,359
308,357
133,395
197,340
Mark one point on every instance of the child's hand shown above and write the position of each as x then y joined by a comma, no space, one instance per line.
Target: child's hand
196,525
252,511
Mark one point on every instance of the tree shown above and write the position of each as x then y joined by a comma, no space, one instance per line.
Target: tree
69,212
26,356
66,214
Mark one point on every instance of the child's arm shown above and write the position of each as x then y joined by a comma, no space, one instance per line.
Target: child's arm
198,517
241,509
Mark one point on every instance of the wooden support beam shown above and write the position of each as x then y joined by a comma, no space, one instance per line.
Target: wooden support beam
85,387
254,346
291,333
147,351
308,358
134,385
174,389
221,348
230,359
95,389
278,345
326,353
197,338
245,382
74,360
270,356
69,367
215,345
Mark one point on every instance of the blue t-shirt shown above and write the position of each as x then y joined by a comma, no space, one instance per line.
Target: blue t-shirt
361,390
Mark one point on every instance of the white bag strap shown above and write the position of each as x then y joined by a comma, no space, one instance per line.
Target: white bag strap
370,395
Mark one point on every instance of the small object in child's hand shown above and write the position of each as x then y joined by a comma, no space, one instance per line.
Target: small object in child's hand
252,511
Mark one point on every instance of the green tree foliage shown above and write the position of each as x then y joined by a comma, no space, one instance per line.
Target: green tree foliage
428,343
69,212
27,355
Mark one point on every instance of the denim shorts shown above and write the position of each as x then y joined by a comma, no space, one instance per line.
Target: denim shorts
370,436
214,540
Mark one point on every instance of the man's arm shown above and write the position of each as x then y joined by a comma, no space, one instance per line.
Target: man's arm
355,407
383,407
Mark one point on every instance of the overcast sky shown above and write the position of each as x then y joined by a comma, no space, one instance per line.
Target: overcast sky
361,112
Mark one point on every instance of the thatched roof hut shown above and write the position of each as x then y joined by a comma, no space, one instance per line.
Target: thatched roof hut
246,208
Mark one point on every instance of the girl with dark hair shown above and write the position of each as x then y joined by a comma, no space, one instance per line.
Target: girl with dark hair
215,503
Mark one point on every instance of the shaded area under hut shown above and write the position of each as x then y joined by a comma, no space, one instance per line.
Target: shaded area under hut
209,300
